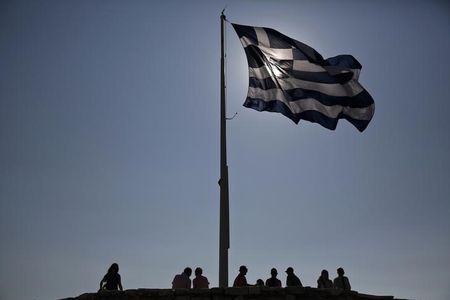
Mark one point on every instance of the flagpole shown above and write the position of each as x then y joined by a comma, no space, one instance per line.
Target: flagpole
224,239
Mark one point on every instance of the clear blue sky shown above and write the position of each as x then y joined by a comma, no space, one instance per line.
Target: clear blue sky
109,148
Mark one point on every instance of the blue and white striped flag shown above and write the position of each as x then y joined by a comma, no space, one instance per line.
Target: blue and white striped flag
291,78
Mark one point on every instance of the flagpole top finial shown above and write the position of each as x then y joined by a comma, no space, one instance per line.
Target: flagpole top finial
222,14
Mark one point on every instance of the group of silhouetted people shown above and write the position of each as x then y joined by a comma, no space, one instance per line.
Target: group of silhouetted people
182,281
340,282
112,281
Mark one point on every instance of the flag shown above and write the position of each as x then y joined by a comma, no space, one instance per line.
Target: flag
289,77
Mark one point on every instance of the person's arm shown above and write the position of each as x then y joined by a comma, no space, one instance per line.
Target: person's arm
120,283
349,286
246,283
101,283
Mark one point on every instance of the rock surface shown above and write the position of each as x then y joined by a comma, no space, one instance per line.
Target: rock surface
249,293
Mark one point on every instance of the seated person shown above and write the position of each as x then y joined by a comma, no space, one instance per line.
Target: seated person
273,281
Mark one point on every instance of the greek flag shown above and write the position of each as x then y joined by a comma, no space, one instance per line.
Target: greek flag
289,77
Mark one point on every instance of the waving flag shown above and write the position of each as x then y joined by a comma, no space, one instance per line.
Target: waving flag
289,77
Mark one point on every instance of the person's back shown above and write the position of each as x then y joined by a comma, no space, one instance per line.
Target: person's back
292,279
111,281
182,281
200,281
341,282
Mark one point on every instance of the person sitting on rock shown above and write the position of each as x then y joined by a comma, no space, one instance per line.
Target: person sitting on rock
341,282
324,282
241,280
273,281
111,281
259,282
200,281
182,281
292,279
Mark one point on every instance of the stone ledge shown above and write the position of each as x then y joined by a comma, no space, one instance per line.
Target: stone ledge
246,293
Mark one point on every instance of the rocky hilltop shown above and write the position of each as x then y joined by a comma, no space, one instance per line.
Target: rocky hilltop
249,293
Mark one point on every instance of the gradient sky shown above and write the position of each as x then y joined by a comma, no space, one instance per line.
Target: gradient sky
109,148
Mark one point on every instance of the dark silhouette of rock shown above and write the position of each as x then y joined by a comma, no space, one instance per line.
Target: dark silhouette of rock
243,293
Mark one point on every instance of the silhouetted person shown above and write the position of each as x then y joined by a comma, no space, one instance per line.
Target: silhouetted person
259,282
182,281
341,282
241,280
324,281
111,281
200,281
273,281
292,279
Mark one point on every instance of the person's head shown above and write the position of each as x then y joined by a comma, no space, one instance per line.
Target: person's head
290,271
340,272
113,269
187,271
243,270
259,282
273,272
198,271
324,274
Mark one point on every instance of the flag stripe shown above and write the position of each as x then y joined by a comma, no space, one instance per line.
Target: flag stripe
302,105
304,65
262,37
310,115
361,100
267,51
350,88
322,77
261,56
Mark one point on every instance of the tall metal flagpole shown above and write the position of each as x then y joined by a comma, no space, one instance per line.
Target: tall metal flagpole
224,239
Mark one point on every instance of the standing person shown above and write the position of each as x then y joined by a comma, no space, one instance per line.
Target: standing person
241,280
273,281
182,281
292,279
324,281
341,282
200,281
111,281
